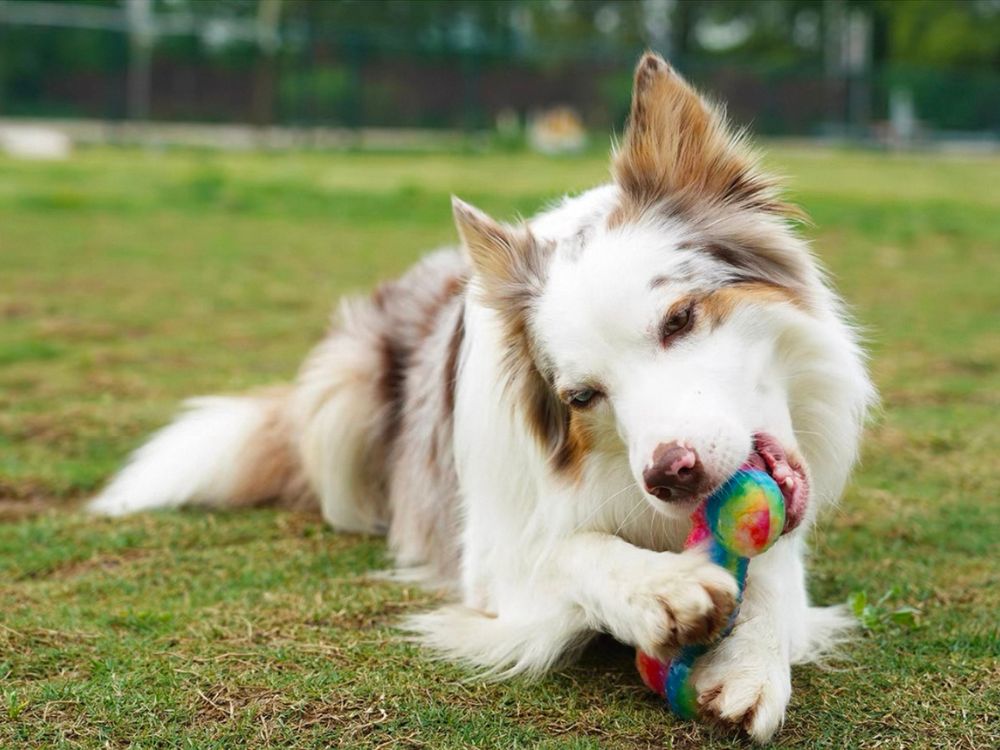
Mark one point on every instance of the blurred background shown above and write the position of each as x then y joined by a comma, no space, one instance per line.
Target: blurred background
922,73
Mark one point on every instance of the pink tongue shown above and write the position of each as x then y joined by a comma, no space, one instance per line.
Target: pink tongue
756,461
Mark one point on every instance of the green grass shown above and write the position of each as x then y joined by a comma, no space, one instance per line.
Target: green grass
129,280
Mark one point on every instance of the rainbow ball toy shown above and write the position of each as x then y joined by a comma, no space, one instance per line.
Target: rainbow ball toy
742,518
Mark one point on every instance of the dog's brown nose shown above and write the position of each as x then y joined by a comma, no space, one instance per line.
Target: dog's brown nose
675,472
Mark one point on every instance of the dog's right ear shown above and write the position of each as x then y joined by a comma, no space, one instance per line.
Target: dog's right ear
507,259
678,147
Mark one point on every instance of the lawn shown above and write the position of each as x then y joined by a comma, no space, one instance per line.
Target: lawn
129,280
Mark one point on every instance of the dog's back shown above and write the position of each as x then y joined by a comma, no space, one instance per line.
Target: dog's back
364,432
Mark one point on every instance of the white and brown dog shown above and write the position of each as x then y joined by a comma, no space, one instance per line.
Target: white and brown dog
532,418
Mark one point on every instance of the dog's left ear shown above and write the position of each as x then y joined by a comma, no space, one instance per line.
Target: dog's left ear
507,259
679,149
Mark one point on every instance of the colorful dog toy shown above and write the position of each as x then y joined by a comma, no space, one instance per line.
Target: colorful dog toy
743,518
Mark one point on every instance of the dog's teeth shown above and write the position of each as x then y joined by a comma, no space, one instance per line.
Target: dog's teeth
790,483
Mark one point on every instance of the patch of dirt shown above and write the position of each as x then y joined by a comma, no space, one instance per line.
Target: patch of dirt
22,508
65,721
350,719
13,639
16,310
76,330
224,702
55,430
100,562
387,613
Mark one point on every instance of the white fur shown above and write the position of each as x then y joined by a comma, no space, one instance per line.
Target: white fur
191,461
333,407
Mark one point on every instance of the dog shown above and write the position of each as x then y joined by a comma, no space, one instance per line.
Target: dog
531,418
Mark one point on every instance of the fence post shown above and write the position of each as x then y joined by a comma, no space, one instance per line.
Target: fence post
140,60
264,80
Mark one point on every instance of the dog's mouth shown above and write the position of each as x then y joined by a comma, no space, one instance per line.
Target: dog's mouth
768,455
788,472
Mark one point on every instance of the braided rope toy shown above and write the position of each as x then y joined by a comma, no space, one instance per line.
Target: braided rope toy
741,519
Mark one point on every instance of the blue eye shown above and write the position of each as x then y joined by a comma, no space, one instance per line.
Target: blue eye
582,397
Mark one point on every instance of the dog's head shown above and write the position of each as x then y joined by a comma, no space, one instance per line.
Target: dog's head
668,326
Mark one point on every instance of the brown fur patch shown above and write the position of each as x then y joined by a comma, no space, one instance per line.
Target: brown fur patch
451,365
397,349
659,281
760,249
678,150
271,469
718,305
392,382
561,431
510,262
578,443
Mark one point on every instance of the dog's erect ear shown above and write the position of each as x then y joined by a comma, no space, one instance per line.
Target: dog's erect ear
507,259
678,148
489,244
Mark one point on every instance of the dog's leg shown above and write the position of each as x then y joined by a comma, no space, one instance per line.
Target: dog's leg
591,582
745,680
655,601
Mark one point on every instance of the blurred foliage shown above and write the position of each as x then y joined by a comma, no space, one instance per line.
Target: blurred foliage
960,33
957,101
946,52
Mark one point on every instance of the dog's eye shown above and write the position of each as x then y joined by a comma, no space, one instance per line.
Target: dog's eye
677,323
583,397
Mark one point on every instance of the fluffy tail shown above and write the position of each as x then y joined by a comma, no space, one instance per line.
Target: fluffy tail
221,451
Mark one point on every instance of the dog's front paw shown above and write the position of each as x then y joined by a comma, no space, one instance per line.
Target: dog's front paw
744,683
678,600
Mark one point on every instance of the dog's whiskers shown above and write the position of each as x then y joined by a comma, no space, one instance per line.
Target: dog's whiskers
602,504
825,439
637,506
